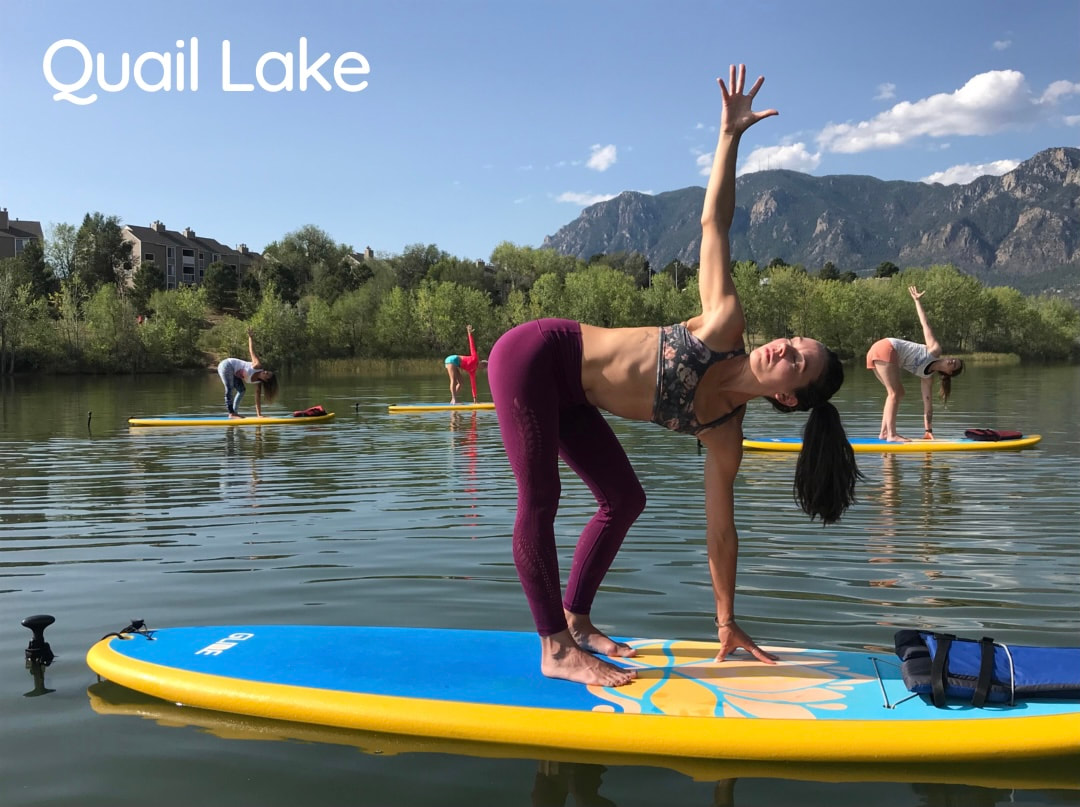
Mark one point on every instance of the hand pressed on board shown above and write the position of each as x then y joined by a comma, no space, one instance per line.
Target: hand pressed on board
737,116
732,637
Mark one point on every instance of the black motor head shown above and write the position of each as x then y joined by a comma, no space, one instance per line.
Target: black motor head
38,651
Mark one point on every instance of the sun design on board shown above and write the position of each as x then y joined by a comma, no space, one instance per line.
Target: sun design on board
683,678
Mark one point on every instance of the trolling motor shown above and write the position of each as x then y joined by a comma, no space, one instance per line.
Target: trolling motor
38,651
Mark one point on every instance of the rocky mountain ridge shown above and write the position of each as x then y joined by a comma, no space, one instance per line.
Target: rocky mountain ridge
1020,229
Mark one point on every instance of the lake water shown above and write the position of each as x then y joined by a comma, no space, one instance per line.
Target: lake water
405,520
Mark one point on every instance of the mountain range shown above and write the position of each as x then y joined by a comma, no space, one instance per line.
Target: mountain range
1020,229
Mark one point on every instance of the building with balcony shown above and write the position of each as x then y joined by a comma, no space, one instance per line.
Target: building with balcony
182,257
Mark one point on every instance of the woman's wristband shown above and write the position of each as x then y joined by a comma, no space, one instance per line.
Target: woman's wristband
725,624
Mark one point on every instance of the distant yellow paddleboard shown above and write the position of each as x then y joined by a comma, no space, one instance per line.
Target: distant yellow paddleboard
866,445
213,420
472,407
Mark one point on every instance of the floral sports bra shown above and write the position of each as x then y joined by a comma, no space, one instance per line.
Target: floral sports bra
680,366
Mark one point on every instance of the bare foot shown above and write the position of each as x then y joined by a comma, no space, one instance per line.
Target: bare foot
589,638
238,417
896,438
562,658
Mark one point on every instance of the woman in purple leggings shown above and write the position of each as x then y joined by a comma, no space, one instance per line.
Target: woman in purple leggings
550,379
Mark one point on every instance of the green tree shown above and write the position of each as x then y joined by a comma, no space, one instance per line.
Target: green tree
171,335
395,331
147,279
354,314
37,271
548,297
292,263
101,253
662,303
473,274
602,296
68,304
748,279
412,265
517,268
279,331
886,269
15,299
829,272
633,264
221,285
112,343
60,249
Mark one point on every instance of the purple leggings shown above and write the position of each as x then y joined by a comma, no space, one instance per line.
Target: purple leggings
535,377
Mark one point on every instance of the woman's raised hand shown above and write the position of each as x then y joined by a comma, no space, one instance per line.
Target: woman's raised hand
915,293
737,116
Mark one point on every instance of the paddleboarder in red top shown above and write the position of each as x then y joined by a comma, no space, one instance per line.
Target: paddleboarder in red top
455,364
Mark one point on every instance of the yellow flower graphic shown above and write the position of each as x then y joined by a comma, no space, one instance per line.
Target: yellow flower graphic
683,678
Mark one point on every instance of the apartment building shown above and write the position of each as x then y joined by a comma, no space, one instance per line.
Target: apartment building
14,234
182,256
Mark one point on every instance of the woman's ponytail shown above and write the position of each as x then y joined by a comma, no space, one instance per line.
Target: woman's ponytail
826,471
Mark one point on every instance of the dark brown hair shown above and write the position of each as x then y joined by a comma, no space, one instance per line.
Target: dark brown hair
946,381
269,385
826,471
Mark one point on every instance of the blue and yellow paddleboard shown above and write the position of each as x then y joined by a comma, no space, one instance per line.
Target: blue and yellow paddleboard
470,407
214,420
486,686
866,445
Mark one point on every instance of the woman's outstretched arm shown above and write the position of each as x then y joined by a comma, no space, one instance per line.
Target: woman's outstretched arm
929,339
714,277
251,349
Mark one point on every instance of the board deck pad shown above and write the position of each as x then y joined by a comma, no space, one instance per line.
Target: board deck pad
469,407
877,445
216,420
486,686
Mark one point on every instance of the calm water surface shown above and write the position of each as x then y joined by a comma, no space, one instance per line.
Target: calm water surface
405,520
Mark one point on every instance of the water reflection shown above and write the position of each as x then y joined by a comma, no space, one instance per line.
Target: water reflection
915,494
555,781
464,453
558,777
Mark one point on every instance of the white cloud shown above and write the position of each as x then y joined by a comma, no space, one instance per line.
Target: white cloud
1002,44
1072,120
885,91
1058,90
793,157
584,199
963,174
602,157
987,103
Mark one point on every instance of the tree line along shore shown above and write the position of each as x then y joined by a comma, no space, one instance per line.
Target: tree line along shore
79,305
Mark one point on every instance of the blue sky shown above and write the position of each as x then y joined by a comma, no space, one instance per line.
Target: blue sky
484,122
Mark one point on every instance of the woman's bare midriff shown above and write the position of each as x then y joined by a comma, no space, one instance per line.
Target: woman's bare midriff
618,369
